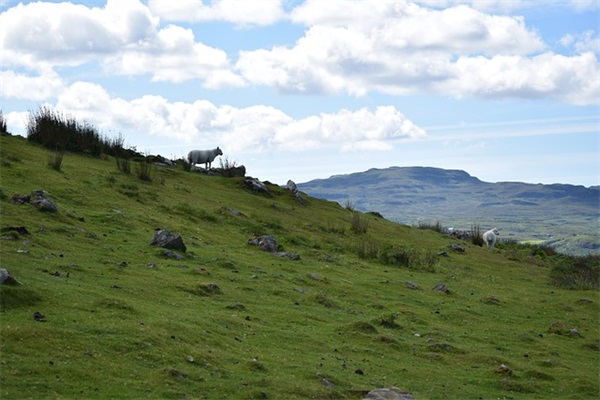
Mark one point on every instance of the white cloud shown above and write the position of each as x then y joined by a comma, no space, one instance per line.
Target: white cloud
400,48
241,13
252,129
21,86
584,42
124,36
568,79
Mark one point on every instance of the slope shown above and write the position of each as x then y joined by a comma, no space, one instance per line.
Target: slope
231,321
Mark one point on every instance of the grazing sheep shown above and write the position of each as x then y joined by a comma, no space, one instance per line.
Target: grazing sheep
489,237
205,157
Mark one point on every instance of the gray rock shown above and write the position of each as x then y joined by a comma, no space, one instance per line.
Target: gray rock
285,254
392,393
256,185
7,279
294,189
165,239
265,243
442,288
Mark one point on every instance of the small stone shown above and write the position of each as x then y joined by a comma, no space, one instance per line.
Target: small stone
37,316
574,332
190,359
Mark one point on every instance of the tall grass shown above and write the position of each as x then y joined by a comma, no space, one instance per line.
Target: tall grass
358,223
55,160
476,235
59,132
2,123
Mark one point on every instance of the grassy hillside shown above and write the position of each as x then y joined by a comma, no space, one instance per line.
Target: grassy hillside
356,312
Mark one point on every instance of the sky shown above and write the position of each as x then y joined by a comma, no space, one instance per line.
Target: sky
507,90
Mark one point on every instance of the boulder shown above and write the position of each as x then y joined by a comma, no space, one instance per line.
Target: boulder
294,189
7,279
42,202
265,243
256,185
165,239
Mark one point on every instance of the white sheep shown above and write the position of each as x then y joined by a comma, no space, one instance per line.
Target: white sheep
203,156
489,237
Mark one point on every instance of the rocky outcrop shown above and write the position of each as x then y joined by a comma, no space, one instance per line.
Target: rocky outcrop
165,239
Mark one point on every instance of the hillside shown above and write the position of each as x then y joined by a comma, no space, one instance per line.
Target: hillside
357,310
568,215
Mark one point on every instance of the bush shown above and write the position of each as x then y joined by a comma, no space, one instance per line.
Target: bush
437,226
367,249
2,123
577,272
409,257
58,132
143,170
358,223
476,235
55,160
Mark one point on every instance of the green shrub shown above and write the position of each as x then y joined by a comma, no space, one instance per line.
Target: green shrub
437,226
577,272
476,235
143,170
358,223
367,249
2,123
55,160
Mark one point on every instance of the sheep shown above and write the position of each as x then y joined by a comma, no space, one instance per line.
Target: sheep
489,237
205,157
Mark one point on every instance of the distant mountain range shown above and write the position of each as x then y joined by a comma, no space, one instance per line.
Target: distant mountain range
521,211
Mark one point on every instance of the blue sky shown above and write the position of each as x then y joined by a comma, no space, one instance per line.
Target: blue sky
507,90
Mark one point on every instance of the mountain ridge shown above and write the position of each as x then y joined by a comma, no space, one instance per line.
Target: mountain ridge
412,195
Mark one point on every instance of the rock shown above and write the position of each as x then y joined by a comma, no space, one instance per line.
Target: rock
574,332
443,254
256,185
39,317
376,214
411,285
294,189
7,279
457,248
20,199
21,230
285,254
172,255
441,287
265,243
168,240
42,202
392,393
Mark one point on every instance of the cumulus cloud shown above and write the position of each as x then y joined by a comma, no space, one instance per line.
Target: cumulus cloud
241,13
251,129
400,48
124,36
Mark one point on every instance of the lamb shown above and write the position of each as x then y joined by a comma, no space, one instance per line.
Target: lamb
489,237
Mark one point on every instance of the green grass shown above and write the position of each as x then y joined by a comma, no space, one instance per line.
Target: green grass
122,321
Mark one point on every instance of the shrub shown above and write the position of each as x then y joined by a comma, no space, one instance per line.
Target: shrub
476,234
437,226
349,205
577,272
367,249
55,160
227,167
123,165
358,223
2,123
143,170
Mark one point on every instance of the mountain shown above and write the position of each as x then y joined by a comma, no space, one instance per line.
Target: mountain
522,211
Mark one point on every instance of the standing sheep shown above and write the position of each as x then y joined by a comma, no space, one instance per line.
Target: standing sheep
489,237
205,157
